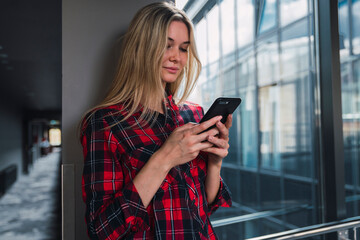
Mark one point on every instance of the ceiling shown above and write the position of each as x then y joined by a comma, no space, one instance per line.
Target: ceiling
30,54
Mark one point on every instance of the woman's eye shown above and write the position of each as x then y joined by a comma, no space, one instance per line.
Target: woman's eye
183,49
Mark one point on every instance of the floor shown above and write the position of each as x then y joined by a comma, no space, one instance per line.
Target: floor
31,208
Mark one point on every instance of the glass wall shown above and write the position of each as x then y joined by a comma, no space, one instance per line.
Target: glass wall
355,20
349,24
264,52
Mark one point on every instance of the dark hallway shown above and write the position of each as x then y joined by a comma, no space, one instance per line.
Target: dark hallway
30,209
30,107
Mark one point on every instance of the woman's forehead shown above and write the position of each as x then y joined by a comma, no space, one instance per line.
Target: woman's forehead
178,32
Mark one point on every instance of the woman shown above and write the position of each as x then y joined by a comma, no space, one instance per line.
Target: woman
150,171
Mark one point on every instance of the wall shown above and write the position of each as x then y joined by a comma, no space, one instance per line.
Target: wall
10,139
90,30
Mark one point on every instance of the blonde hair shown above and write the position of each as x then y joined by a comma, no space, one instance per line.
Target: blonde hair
137,82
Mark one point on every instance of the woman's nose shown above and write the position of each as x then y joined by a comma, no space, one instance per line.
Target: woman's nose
174,55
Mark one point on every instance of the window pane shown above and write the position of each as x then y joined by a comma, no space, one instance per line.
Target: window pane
228,79
247,132
181,3
248,115
248,129
351,132
269,138
213,30
268,15
227,27
245,22
55,137
201,41
268,59
292,10
350,92
246,66
202,48
295,48
208,93
356,26
344,28
296,151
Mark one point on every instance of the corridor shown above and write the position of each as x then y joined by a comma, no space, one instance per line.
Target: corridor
31,210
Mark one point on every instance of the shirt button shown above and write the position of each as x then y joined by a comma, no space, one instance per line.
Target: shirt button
134,228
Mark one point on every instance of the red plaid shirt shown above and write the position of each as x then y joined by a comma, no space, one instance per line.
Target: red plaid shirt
113,157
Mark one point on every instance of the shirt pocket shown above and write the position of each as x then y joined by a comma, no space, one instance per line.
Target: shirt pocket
140,156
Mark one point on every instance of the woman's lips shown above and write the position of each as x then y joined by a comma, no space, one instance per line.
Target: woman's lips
172,69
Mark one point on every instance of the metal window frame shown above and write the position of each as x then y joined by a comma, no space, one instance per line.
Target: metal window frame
329,116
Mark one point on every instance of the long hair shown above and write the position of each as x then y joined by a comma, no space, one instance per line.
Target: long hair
137,82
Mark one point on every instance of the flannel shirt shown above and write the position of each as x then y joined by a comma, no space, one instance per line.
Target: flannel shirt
114,154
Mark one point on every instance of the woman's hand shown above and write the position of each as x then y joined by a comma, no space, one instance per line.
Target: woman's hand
182,146
220,147
185,142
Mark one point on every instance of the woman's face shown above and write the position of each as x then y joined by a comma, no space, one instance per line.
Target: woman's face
176,53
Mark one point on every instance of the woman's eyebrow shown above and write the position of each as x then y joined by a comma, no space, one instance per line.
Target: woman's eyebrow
172,40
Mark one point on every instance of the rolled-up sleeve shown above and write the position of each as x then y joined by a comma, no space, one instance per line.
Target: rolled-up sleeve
114,209
223,198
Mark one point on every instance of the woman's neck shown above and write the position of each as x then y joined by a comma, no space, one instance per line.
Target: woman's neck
158,107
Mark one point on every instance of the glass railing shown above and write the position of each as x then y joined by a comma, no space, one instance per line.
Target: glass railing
257,216
347,229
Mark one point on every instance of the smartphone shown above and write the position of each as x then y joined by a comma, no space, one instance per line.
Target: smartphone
222,106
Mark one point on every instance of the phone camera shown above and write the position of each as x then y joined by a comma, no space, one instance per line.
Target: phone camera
223,102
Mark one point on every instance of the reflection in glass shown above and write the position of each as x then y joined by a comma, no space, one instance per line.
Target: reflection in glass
202,48
227,27
356,26
245,22
209,93
292,10
201,40
181,3
344,28
268,61
248,114
296,151
288,123
246,69
351,131
269,128
228,79
267,15
350,94
213,31
295,48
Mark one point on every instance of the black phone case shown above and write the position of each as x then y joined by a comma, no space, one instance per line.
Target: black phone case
222,106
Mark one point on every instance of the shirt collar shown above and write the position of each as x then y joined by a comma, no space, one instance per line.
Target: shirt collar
170,102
